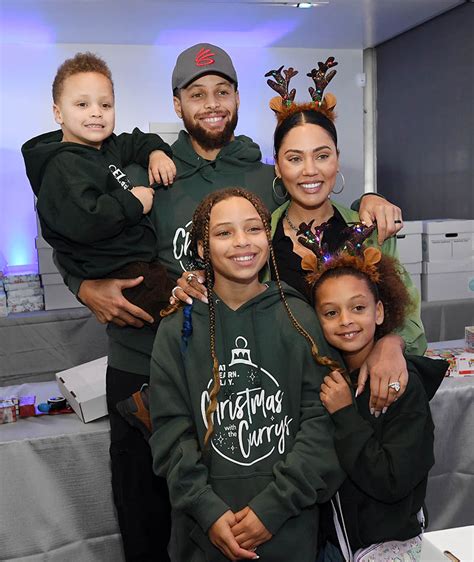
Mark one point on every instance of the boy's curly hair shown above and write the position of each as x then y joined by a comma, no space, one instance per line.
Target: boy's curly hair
388,288
80,62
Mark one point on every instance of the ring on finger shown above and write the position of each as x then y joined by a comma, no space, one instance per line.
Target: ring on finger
173,290
397,221
395,386
190,277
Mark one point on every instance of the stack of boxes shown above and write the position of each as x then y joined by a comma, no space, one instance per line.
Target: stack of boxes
3,298
448,260
23,292
56,294
409,250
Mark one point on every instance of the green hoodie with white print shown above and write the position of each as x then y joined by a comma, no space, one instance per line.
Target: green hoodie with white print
272,446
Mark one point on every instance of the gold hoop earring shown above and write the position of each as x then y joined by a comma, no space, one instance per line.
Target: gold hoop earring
343,184
278,196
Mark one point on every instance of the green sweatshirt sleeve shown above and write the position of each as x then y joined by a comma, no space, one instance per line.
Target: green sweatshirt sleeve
387,466
174,443
412,331
310,472
135,147
72,205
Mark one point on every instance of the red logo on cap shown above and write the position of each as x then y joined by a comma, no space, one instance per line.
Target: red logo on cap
203,58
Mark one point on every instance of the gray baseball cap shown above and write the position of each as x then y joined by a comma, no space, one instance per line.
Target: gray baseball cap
199,60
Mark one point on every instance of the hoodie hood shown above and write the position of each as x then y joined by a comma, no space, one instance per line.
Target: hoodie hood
242,152
38,151
431,372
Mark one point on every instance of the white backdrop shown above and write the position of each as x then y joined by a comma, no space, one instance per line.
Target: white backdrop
142,76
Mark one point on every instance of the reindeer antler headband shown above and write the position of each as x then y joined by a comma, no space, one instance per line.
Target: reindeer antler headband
351,253
284,105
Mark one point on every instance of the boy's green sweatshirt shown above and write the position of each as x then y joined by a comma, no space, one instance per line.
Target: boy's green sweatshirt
272,446
412,330
86,211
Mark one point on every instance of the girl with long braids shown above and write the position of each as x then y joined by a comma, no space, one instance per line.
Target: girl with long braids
238,427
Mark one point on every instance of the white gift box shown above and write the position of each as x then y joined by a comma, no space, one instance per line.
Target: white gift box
448,280
409,242
45,261
448,239
457,542
414,269
84,388
58,296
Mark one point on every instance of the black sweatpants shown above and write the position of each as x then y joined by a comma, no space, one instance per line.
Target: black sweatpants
140,497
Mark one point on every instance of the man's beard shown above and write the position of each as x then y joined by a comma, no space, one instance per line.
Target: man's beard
209,140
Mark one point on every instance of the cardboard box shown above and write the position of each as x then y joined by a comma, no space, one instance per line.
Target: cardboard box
409,242
51,279
45,261
57,297
40,242
414,269
448,239
458,542
84,388
448,280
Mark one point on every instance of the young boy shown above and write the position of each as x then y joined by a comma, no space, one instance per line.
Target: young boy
89,210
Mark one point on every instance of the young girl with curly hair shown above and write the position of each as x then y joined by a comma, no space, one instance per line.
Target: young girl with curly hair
238,427
377,514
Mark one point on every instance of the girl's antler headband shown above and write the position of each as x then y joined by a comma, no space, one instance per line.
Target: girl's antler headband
351,253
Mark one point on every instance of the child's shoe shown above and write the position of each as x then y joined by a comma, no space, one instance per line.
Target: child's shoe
135,410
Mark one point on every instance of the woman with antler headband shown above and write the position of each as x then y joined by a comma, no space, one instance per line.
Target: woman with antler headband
306,165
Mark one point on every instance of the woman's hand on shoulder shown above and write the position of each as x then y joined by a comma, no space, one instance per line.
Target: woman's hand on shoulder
221,535
388,216
104,298
190,286
385,366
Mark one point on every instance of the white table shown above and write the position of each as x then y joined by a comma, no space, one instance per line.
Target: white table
450,490
55,493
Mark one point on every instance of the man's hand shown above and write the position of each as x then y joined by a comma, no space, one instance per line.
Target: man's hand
145,196
384,365
105,299
161,168
335,392
191,285
221,536
249,531
388,217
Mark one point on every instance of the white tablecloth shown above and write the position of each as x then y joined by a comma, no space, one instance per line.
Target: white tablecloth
55,494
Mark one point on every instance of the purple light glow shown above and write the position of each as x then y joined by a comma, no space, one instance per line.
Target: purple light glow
261,36
25,29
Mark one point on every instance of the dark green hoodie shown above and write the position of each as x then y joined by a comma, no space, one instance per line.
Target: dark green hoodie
387,459
237,164
272,446
86,210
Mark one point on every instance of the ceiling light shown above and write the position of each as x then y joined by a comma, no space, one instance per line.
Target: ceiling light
304,5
